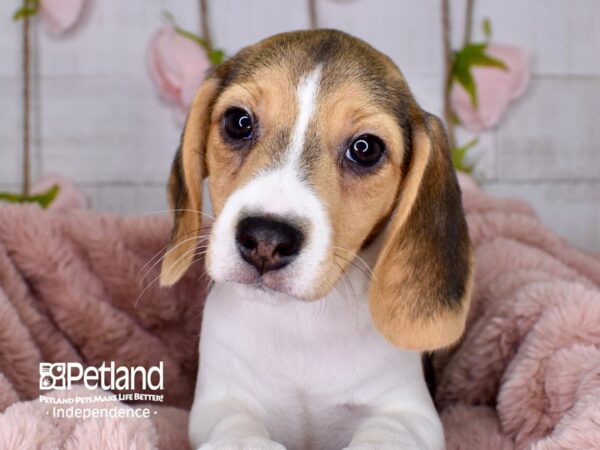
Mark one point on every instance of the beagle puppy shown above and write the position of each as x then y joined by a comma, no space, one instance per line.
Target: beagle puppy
339,250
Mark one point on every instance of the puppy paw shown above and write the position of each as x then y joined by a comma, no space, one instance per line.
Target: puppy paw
252,443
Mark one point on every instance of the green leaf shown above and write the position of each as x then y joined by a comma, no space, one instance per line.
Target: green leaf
29,8
462,74
194,37
216,56
11,198
454,118
23,12
169,17
486,26
44,199
459,156
467,57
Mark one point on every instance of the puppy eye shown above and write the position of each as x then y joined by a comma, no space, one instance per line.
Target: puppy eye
365,150
237,124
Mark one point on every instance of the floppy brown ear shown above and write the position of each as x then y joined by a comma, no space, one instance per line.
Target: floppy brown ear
422,281
185,187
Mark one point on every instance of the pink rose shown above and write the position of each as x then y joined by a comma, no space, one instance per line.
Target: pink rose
496,88
60,15
177,66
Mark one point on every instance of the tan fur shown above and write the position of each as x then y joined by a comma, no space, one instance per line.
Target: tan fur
181,252
271,96
360,201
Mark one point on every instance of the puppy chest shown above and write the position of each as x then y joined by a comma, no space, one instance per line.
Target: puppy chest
312,375
308,422
312,371
306,399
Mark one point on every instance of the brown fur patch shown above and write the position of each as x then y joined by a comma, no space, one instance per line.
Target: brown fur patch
423,277
185,187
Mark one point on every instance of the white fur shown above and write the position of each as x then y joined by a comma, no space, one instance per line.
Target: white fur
306,93
277,372
279,192
307,375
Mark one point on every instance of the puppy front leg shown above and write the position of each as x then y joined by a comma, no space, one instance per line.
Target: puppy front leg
398,431
228,425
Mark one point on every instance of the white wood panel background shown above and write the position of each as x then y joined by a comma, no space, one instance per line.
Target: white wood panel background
99,121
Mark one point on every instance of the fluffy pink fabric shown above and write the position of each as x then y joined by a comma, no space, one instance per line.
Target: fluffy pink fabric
527,372
75,286
28,425
525,375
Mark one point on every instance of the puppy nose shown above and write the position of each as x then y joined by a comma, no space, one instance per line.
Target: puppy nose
266,243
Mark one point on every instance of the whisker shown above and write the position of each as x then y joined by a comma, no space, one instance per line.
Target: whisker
346,278
356,256
372,279
206,276
352,305
167,245
172,267
180,210
353,264
161,254
347,284
170,250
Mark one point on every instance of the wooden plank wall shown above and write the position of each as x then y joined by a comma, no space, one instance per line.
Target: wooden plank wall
99,121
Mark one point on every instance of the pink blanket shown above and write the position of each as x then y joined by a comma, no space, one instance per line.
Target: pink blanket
77,286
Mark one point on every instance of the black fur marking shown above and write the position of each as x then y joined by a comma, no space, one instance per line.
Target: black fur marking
429,372
178,193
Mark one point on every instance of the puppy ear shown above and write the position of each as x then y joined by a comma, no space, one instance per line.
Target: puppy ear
185,187
422,281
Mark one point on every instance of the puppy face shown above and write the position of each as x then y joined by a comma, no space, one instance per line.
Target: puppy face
312,143
299,167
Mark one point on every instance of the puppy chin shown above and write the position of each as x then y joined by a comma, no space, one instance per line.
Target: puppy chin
248,279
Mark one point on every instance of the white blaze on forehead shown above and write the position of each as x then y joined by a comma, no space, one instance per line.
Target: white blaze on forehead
280,192
306,95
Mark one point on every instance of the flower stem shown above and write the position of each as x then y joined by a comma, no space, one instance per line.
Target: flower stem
468,22
448,62
313,18
205,24
26,99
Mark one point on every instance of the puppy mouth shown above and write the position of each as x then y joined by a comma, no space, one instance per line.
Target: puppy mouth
262,287
270,282
277,282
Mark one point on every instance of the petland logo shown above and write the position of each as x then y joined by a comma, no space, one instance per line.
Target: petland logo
108,377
